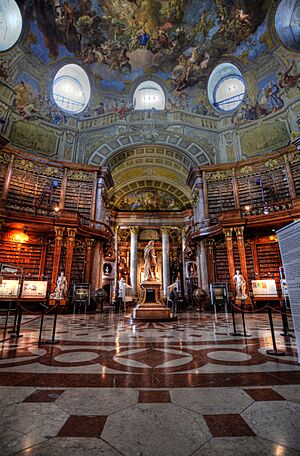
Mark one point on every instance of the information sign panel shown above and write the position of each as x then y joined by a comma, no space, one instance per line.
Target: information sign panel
34,289
9,289
289,244
264,288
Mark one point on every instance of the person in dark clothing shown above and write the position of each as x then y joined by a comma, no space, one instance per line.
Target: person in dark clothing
174,298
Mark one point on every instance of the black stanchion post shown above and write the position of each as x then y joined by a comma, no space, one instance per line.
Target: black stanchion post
234,333
53,341
6,322
285,325
41,327
273,352
19,321
243,319
15,319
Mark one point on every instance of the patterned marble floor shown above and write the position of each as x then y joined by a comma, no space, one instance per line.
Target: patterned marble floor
114,387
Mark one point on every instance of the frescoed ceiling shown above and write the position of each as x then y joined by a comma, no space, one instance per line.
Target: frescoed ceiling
178,40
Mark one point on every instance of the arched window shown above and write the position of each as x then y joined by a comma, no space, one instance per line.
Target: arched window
71,88
226,87
149,95
10,24
287,23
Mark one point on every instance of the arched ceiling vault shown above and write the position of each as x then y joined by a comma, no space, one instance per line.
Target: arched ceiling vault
150,169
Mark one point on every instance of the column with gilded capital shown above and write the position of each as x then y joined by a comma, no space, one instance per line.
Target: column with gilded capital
165,231
229,247
59,232
134,230
71,233
242,252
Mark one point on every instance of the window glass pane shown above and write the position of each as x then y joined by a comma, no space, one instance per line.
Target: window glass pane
149,95
71,88
10,24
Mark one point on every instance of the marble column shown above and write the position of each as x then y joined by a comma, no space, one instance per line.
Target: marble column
200,201
165,258
210,264
6,183
242,252
134,230
59,232
88,260
183,240
100,208
229,247
71,232
203,266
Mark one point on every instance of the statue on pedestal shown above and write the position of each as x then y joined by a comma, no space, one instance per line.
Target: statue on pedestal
240,285
150,264
61,288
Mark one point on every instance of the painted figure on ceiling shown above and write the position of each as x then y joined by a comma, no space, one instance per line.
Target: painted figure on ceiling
288,80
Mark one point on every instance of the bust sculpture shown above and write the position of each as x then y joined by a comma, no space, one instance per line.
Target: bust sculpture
240,285
61,288
150,264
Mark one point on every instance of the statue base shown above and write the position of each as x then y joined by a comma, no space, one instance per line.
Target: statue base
150,307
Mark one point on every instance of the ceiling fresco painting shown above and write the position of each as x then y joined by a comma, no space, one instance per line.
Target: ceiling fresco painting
178,40
150,199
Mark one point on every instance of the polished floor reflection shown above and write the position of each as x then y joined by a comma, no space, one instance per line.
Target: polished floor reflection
183,388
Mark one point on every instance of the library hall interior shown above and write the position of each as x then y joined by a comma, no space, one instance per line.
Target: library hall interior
149,227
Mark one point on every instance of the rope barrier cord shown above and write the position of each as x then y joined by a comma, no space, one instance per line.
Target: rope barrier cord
32,319
260,310
250,311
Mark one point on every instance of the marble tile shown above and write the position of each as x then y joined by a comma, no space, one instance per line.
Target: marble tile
76,357
227,355
232,425
148,430
278,421
44,396
289,392
26,424
243,446
211,400
96,402
83,426
264,394
68,446
154,396
10,395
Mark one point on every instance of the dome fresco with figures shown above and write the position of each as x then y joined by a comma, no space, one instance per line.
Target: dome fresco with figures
179,41
209,75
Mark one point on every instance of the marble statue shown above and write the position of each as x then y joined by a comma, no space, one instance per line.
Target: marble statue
61,288
150,264
240,285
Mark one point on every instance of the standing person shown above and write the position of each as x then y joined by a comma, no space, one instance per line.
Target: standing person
174,296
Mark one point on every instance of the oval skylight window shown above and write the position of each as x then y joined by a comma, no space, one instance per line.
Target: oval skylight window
287,23
71,88
10,24
149,95
226,87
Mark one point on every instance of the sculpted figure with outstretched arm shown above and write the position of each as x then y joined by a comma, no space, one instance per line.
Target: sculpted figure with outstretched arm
150,263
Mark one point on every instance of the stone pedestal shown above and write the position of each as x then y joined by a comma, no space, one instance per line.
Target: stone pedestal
150,308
